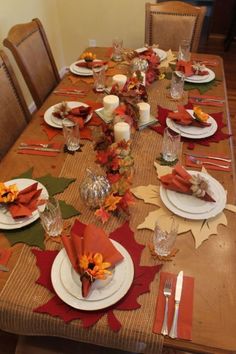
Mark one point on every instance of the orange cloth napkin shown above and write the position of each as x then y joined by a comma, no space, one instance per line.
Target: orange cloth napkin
34,144
185,307
183,117
5,254
26,202
187,68
94,240
180,181
91,64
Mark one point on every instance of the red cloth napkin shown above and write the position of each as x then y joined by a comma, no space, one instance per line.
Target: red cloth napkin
26,202
180,181
90,64
183,117
93,240
185,306
215,138
5,254
187,68
143,276
42,153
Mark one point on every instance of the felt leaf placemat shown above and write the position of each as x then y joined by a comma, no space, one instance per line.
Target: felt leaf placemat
200,229
202,88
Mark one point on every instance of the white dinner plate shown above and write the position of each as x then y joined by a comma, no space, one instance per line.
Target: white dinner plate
100,289
7,222
84,304
161,53
81,71
55,122
191,207
201,79
192,131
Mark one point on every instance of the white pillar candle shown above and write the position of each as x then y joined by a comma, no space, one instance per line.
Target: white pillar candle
121,131
120,80
110,103
144,112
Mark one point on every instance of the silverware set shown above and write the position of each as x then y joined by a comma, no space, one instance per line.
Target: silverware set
167,291
202,99
196,159
38,147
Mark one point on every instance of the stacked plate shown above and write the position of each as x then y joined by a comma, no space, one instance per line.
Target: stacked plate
77,70
161,53
193,132
190,207
7,222
103,293
55,122
198,79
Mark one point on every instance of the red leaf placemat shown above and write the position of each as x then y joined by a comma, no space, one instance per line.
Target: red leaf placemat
143,276
215,138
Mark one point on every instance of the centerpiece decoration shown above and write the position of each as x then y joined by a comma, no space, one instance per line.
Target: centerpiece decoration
116,159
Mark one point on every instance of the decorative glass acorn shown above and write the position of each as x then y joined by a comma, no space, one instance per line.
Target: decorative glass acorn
94,189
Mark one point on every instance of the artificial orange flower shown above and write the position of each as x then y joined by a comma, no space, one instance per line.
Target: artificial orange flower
93,265
199,114
88,56
111,202
8,193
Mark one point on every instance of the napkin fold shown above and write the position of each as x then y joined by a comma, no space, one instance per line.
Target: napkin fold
183,117
90,64
181,181
26,202
93,240
188,68
185,306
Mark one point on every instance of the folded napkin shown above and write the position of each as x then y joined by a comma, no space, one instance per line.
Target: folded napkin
90,64
81,248
185,306
183,117
39,144
190,68
5,254
181,181
26,202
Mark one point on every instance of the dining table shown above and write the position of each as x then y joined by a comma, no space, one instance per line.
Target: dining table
212,264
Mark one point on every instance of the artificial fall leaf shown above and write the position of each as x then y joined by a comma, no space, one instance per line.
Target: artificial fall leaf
113,177
102,157
102,214
111,202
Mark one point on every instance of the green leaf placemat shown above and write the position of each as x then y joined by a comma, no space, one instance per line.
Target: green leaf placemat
202,88
26,174
33,234
55,185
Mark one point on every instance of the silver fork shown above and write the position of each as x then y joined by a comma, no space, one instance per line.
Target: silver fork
167,293
202,163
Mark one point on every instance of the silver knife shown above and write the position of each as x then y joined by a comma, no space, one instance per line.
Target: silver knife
208,157
178,291
38,148
3,268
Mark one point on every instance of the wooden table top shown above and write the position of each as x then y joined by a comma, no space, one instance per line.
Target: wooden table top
212,265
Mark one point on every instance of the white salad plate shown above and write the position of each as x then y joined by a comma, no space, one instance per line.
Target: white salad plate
80,70
104,296
7,222
190,207
197,79
55,122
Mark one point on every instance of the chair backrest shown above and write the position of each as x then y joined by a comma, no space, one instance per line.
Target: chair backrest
14,113
167,23
30,48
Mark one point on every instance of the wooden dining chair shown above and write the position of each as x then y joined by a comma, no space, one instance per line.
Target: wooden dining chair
14,114
167,23
30,48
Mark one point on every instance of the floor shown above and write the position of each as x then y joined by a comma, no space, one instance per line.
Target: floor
214,46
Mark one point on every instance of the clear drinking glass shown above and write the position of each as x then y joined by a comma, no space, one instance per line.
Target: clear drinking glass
184,50
170,145
164,241
50,216
71,134
117,45
177,85
99,77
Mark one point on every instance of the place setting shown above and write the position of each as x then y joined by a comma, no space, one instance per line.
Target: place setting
84,66
18,202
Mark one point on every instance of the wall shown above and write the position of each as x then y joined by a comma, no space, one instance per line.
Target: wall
20,11
101,20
